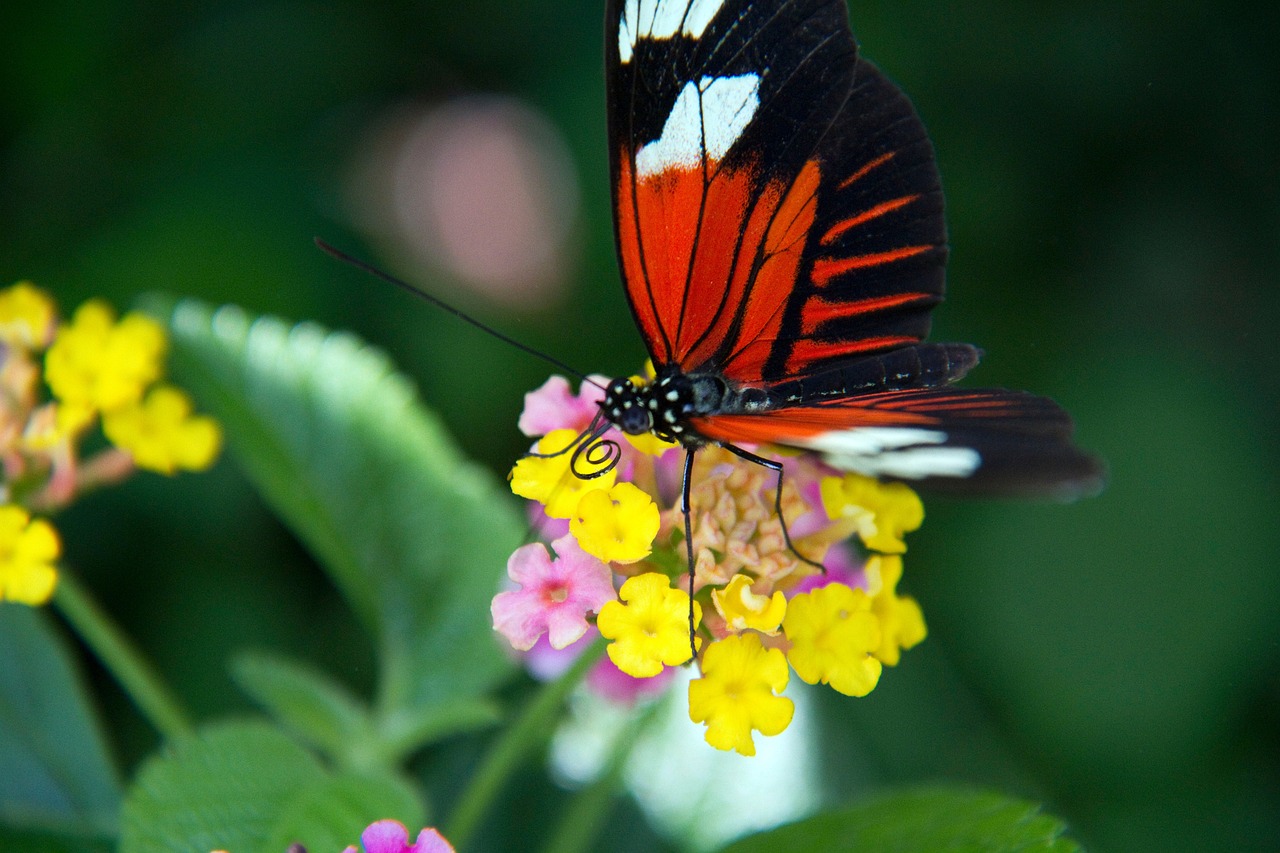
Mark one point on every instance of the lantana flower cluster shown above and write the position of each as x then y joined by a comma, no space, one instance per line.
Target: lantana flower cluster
826,607
58,380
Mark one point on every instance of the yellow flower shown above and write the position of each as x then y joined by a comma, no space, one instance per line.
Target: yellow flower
743,609
28,549
649,627
617,525
901,621
737,693
883,512
97,362
834,635
161,433
549,480
26,316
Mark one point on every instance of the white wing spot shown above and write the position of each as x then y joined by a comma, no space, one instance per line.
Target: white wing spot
906,452
662,19
705,122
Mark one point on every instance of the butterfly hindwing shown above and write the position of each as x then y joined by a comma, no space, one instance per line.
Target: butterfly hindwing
990,440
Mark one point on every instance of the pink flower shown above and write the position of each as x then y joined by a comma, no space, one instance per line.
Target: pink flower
555,596
391,836
553,406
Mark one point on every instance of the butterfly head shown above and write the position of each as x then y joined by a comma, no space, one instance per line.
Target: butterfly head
628,407
662,407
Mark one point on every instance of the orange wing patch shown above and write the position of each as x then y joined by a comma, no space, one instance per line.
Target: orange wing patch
712,231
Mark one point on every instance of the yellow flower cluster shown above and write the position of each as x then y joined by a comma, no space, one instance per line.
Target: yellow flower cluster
99,365
764,608
96,367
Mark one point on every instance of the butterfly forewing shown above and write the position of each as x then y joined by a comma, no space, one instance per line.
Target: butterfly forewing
777,206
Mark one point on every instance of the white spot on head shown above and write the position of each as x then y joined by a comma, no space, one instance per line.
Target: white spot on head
906,452
662,19
706,121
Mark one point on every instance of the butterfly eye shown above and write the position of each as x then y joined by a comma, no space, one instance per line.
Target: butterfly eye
635,420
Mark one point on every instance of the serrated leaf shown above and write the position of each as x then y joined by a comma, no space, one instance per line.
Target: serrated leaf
307,702
331,814
342,448
57,772
950,819
223,789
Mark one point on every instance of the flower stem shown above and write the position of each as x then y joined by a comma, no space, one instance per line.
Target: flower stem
134,673
526,733
591,808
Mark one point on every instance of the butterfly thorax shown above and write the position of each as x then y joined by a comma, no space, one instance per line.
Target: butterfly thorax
664,406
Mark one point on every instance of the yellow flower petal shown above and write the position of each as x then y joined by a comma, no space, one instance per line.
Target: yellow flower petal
833,634
549,479
901,620
742,609
649,443
616,525
884,512
649,625
736,694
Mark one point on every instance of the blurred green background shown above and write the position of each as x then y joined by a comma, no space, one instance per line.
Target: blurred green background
1114,201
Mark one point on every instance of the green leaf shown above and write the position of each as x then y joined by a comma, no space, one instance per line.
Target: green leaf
331,814
951,819
342,448
223,789
309,703
57,772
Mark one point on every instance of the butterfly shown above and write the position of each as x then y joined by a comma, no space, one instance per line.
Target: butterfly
779,224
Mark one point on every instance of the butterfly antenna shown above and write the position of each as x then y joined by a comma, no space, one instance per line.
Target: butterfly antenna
439,303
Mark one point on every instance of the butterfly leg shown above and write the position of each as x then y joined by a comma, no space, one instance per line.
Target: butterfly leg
688,540
776,467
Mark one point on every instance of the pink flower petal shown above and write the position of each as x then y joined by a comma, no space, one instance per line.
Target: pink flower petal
547,664
431,841
842,567
554,596
554,406
385,836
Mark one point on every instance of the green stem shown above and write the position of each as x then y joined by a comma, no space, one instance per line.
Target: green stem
121,657
527,732
581,822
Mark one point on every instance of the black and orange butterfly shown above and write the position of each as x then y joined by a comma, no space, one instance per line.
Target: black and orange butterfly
779,225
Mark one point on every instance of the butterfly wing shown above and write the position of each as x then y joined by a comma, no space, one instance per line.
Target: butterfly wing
776,203
779,223
983,440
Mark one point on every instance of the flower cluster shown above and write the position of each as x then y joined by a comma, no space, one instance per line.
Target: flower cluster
58,379
824,605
